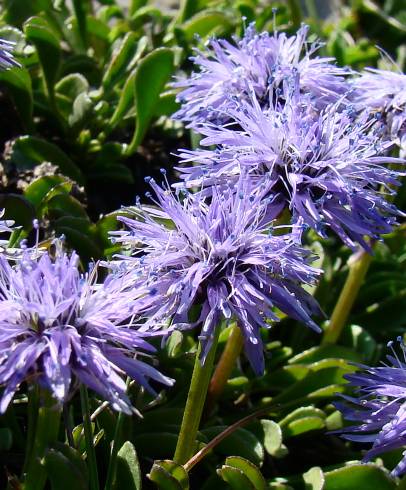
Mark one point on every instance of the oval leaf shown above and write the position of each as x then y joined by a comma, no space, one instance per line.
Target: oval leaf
358,476
29,151
249,469
42,36
128,473
151,75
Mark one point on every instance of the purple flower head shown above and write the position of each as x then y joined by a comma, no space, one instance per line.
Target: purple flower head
326,168
6,57
384,93
263,63
59,328
379,410
218,254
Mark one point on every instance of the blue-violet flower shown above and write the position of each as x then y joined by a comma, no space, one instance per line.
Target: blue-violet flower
260,62
384,94
379,410
59,328
6,57
219,254
328,169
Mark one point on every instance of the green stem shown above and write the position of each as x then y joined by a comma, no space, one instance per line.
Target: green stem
225,366
87,426
356,275
46,432
195,403
117,442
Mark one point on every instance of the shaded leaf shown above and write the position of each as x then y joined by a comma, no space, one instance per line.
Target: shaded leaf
65,205
42,189
18,83
249,470
235,478
39,32
168,475
120,61
29,151
66,469
128,474
18,209
81,111
68,89
241,443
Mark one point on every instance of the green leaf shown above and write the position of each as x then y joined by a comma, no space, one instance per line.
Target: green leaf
128,473
120,60
322,381
205,23
124,102
321,352
18,83
167,105
17,11
65,469
80,235
249,470
168,475
173,346
359,477
29,151
106,224
314,479
68,89
150,78
235,478
241,443
42,189
361,341
40,33
301,420
18,209
6,439
81,111
301,426
98,29
65,205
272,436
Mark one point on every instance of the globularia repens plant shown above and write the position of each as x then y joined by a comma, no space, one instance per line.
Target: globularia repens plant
290,149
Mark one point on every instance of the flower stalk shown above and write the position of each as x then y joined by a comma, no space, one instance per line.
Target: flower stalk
356,275
225,366
87,425
195,402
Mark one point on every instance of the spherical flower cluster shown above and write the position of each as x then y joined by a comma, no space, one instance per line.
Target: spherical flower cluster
219,255
328,169
379,410
383,93
59,328
263,63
